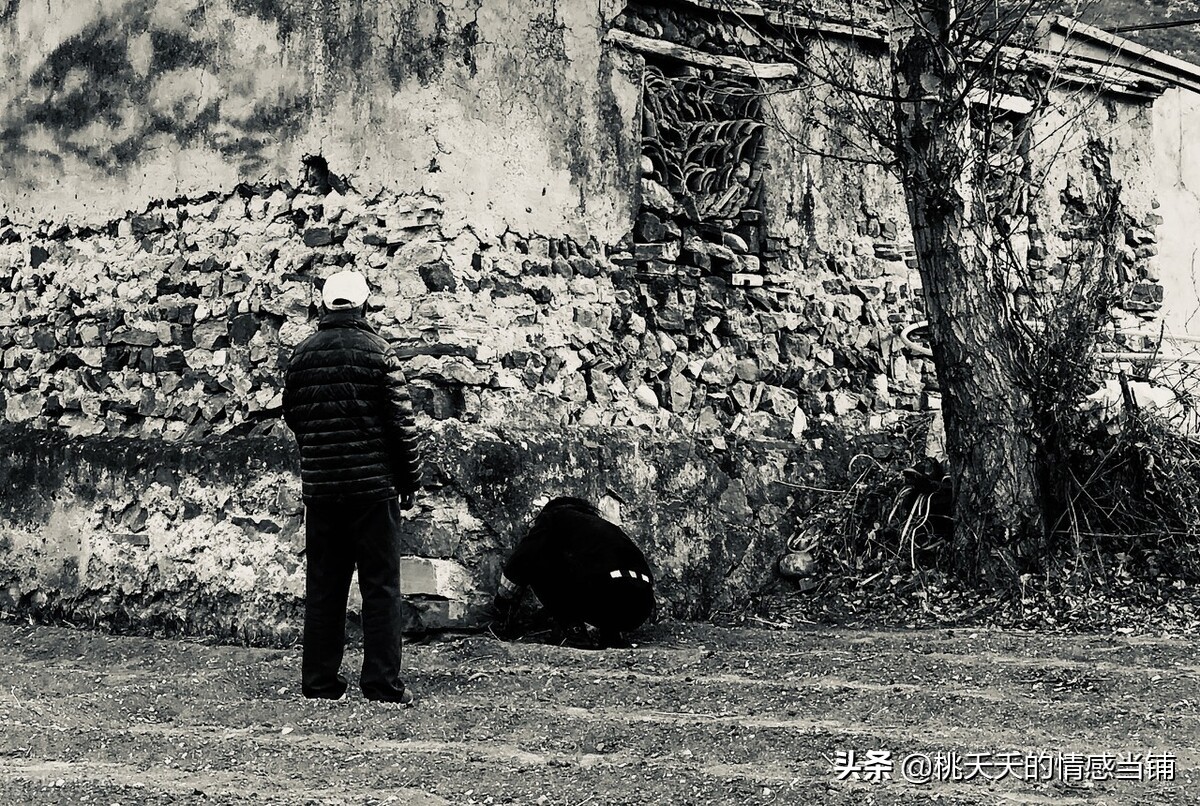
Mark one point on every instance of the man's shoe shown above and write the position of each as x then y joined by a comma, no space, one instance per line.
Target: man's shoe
580,636
614,640
324,688
405,697
335,694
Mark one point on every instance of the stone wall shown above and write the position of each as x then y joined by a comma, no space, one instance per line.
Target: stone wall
176,323
699,348
536,364
189,537
206,537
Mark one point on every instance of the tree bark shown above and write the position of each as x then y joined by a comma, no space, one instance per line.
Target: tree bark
990,439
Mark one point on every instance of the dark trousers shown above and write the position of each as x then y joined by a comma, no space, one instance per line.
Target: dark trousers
340,537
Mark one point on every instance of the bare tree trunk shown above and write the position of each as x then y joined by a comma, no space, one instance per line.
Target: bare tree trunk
990,439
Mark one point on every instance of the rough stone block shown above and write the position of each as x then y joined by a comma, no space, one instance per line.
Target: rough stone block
780,401
45,340
318,236
584,266
843,402
424,615
747,369
742,395
437,276
38,255
1144,297
670,318
146,224
720,368
667,251
657,198
715,251
678,392
1136,236
799,424
697,259
646,397
443,579
650,228
242,328
20,408
734,242
747,264
134,336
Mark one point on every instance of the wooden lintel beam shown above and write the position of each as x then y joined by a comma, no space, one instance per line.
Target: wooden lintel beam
850,30
743,8
1000,100
1079,72
733,64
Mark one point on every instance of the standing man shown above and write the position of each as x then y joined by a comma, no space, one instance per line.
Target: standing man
587,573
347,402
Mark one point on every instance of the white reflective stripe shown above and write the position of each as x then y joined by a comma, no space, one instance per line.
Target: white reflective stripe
507,586
632,575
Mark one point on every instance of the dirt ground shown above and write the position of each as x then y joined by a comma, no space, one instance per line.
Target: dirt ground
692,714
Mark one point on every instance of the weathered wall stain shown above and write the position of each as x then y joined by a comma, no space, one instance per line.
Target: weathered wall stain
469,37
281,12
489,104
419,43
144,72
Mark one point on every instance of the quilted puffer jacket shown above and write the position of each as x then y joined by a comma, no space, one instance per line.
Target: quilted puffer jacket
347,402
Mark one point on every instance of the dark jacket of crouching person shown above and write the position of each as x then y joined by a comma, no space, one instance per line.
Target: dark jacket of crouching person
587,573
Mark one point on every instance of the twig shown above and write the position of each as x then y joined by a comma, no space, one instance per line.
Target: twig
811,488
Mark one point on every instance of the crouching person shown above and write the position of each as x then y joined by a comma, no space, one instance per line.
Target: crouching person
588,575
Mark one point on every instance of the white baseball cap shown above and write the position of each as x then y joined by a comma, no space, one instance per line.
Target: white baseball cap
346,289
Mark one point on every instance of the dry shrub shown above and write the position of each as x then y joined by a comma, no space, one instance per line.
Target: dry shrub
1135,495
882,514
